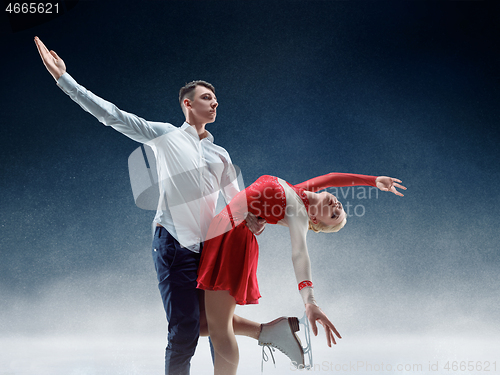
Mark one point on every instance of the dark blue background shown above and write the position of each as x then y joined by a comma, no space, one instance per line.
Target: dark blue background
406,89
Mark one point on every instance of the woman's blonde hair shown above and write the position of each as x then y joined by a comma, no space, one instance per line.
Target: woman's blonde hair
321,227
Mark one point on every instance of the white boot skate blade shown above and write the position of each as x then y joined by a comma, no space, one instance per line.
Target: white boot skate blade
308,359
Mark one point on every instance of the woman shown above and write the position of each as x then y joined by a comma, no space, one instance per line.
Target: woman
228,264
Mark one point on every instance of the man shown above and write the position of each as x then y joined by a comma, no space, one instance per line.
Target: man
191,172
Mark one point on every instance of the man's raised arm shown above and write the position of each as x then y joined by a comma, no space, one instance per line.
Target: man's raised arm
107,113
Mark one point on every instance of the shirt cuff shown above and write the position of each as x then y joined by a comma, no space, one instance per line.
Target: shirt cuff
66,83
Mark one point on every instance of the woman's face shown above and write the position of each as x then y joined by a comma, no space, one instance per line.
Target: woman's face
329,210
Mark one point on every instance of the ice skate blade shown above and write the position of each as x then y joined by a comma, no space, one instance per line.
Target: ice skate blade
308,358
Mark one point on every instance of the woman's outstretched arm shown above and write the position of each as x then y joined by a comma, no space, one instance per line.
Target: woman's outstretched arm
297,225
384,183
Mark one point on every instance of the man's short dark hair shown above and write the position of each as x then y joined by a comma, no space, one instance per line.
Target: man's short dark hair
188,90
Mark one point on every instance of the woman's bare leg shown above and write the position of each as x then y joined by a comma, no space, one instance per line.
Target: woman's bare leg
220,307
242,326
245,327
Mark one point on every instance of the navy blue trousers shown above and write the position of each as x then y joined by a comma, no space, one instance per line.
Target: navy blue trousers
176,268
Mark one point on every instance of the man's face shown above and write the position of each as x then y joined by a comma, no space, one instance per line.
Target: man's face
204,104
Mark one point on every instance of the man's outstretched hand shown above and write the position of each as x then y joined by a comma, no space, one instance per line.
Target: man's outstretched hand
54,64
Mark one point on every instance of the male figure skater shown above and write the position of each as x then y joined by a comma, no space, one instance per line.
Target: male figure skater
191,171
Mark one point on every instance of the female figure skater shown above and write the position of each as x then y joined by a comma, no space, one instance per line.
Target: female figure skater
228,264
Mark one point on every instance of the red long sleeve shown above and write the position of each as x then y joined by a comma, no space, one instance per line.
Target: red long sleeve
337,180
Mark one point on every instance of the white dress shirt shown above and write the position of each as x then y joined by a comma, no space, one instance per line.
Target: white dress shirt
189,172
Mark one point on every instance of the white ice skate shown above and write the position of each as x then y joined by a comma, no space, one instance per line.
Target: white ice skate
280,334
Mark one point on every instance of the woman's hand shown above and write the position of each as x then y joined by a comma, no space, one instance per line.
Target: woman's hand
385,183
314,313
54,64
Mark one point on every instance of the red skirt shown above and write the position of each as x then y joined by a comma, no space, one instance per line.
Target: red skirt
229,261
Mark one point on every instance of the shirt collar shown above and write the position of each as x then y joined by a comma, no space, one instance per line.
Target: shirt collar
191,130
